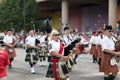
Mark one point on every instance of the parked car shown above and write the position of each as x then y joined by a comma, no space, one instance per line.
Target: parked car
1,38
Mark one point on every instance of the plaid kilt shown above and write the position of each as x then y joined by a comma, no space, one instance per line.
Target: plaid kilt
60,73
99,51
105,64
94,51
49,73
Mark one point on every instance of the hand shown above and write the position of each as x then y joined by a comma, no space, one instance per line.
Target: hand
65,57
11,46
36,47
117,53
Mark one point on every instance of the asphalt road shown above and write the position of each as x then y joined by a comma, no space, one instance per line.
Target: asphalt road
84,70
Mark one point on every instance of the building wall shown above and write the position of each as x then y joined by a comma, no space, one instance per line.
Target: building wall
90,17
83,19
75,18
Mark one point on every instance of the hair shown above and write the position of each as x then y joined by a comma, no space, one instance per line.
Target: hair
66,28
53,32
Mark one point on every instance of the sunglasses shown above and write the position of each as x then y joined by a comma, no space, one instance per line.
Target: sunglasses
56,34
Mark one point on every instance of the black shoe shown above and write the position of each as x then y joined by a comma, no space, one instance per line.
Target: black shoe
111,77
10,66
107,78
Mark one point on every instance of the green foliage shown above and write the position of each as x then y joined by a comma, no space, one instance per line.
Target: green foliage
12,12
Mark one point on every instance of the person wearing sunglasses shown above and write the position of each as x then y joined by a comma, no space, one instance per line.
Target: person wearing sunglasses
109,58
56,50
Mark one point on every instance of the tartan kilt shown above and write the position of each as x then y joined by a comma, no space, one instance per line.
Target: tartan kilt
31,55
99,52
94,51
59,70
49,73
105,64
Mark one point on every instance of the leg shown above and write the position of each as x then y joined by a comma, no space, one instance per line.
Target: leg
32,67
75,59
11,59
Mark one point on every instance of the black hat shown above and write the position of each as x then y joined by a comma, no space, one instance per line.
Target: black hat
108,27
66,28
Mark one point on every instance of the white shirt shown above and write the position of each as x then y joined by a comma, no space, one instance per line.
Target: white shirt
99,40
8,39
107,43
67,40
42,39
93,39
30,40
54,46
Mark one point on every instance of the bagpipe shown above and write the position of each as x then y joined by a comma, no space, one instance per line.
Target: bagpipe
31,53
69,47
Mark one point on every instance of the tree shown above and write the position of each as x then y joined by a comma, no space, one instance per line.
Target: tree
11,14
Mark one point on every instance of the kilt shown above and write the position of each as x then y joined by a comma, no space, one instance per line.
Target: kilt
59,69
42,52
49,73
105,64
70,63
31,55
94,51
81,48
99,51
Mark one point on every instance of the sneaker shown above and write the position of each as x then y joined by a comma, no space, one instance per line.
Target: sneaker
68,78
32,70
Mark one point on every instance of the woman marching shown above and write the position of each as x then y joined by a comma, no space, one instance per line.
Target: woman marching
56,50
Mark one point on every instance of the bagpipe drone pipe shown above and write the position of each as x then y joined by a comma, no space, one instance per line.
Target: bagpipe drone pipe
70,47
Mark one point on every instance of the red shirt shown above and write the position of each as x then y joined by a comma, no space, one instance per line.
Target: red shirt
4,61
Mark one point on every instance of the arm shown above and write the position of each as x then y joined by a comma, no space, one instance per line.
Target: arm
112,52
53,53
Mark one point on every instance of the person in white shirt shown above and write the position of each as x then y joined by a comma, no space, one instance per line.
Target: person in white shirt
43,40
109,58
93,42
10,42
31,46
56,50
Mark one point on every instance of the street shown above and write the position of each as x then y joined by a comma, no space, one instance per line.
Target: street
84,70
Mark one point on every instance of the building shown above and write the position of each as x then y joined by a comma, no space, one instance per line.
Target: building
82,15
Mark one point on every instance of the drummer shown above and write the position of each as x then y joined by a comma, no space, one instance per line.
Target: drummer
93,42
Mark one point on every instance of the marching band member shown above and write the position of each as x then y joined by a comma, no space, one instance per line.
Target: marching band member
31,47
10,42
56,50
93,42
67,40
109,59
99,50
43,40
